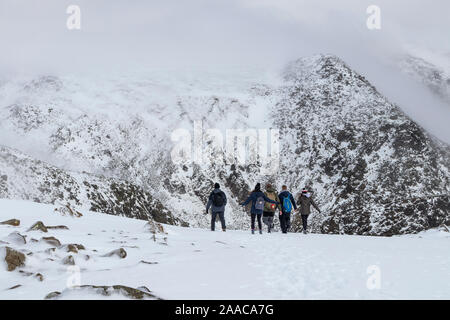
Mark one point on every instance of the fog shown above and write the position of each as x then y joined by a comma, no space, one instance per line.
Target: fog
121,35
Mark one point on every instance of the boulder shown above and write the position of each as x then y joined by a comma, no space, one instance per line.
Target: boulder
38,226
73,247
51,241
14,259
121,253
69,260
12,222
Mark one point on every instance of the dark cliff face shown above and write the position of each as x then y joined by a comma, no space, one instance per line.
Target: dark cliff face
375,171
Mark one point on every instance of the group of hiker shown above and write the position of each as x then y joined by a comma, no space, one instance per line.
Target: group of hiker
264,206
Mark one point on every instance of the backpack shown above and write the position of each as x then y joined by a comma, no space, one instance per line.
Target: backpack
270,206
259,205
287,204
217,199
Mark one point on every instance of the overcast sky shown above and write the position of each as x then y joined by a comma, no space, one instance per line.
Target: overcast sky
118,34
213,31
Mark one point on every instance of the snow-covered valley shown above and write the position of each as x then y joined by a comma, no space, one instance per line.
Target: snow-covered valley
193,263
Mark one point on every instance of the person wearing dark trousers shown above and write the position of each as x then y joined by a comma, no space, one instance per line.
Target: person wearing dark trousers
217,201
304,202
288,205
270,208
258,199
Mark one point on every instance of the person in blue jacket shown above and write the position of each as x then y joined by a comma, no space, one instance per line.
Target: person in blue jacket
288,206
258,198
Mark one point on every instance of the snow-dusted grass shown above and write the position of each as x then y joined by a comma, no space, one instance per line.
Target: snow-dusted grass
200,264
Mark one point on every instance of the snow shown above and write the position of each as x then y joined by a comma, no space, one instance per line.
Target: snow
199,264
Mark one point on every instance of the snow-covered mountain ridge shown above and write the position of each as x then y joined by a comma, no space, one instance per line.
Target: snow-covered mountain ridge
372,169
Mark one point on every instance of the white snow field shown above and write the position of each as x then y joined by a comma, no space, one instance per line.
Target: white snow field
200,264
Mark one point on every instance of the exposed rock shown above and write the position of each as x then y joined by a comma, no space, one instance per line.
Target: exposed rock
68,211
154,227
73,247
148,262
137,294
12,222
58,227
14,259
39,276
53,295
50,250
118,252
15,287
17,238
25,273
69,260
52,241
38,226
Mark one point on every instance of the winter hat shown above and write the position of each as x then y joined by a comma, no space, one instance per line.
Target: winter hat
216,186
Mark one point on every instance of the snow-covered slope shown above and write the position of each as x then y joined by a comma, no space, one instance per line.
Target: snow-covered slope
190,263
373,170
22,177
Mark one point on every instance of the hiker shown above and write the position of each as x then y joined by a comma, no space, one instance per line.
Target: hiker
270,208
258,198
217,201
305,201
288,206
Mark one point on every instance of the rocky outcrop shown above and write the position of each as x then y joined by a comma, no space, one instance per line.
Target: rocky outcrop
38,226
11,222
372,169
14,259
154,227
51,241
121,253
131,293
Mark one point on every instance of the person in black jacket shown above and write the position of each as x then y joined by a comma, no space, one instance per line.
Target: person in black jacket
217,202
288,206
258,199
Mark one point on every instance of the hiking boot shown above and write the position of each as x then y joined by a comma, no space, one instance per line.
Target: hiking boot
260,231
253,231
224,230
305,232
